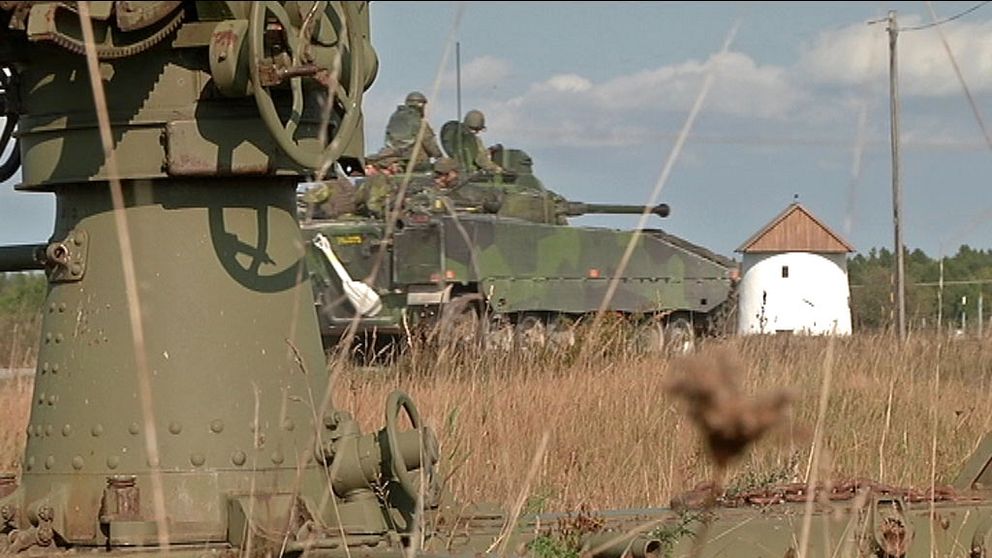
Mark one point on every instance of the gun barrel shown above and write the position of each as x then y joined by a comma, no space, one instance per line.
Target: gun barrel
22,257
579,208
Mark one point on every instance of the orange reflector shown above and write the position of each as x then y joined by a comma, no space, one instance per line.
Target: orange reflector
435,277
449,274
593,273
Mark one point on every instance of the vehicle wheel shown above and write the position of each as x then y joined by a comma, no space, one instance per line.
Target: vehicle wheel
680,336
460,326
531,333
499,335
649,338
561,334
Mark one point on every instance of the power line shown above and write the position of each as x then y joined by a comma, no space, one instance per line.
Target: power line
937,283
946,19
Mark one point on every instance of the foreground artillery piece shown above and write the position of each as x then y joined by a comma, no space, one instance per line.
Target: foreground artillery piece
181,400
495,259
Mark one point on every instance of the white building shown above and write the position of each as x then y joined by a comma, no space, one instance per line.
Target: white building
794,278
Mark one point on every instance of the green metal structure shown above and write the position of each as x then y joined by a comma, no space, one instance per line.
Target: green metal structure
181,404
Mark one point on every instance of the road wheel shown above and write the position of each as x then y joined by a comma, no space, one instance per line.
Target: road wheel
499,335
680,336
561,334
531,333
460,326
649,338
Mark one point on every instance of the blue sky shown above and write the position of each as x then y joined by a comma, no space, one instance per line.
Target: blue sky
596,93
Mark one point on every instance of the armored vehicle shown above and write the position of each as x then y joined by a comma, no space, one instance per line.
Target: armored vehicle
494,258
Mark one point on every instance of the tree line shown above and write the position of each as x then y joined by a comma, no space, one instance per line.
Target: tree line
967,277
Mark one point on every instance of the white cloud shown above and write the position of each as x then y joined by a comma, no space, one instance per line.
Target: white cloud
571,109
858,55
480,73
565,83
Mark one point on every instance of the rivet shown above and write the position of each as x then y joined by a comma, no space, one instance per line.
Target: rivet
288,425
59,338
197,459
30,463
49,461
76,268
62,307
45,368
48,337
277,457
52,399
113,461
217,426
97,430
55,369
238,458
49,430
152,462
77,240
77,462
133,428
175,427
41,398
51,308
66,430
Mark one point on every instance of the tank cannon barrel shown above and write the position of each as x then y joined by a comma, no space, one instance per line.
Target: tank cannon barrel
574,209
22,257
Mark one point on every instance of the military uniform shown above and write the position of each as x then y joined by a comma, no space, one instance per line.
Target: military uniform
483,160
401,135
330,199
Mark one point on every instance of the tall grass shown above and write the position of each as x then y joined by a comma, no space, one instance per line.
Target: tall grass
617,438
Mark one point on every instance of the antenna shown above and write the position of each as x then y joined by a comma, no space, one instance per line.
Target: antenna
458,77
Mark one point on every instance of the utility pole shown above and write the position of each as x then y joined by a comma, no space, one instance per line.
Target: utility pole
981,318
900,283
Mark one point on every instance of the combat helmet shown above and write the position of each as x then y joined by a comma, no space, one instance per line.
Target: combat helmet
475,120
416,99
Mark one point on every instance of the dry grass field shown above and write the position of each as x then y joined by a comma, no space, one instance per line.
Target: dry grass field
618,438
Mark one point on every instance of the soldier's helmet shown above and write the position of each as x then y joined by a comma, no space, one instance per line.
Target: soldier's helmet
416,99
475,120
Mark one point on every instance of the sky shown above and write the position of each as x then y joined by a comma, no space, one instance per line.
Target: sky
596,93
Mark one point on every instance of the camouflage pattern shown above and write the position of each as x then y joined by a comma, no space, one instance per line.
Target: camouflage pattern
507,241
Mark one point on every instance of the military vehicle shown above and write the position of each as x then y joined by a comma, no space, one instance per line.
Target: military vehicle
494,259
181,404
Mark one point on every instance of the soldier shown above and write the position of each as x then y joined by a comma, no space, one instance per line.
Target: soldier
475,121
402,130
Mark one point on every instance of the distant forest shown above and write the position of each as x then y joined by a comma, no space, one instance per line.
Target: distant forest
967,277
967,284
